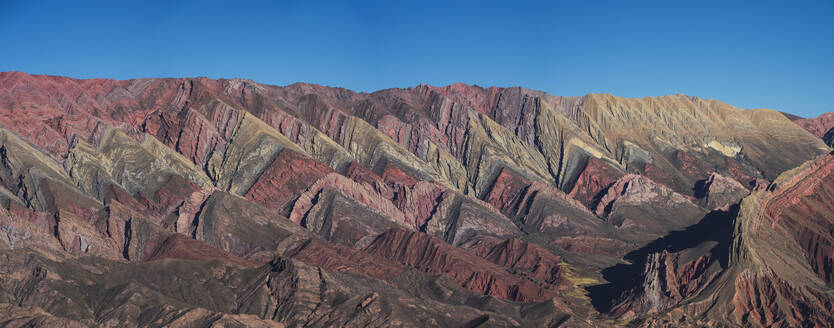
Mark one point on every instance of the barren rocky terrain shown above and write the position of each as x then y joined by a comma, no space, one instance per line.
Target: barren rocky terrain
193,202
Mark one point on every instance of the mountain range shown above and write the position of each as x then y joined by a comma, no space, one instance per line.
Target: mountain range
197,202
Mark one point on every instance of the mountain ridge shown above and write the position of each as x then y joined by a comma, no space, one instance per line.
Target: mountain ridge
514,207
453,85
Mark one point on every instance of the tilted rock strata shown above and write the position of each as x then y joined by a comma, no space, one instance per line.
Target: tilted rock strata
779,258
432,255
306,205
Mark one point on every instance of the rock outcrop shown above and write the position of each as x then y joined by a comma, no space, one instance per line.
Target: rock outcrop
778,260
644,210
719,191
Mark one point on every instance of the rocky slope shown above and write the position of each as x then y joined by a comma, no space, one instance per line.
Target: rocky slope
821,126
200,202
776,264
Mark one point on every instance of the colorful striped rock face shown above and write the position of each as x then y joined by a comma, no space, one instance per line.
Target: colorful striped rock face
195,202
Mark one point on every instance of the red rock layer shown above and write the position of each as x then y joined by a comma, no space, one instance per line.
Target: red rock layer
595,177
756,301
430,254
179,246
338,258
690,166
803,207
350,188
367,178
749,182
289,174
192,133
523,256
506,191
819,125
512,194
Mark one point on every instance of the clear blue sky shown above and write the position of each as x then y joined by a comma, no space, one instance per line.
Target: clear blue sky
753,54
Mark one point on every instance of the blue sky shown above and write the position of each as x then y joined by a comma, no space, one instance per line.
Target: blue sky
750,54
